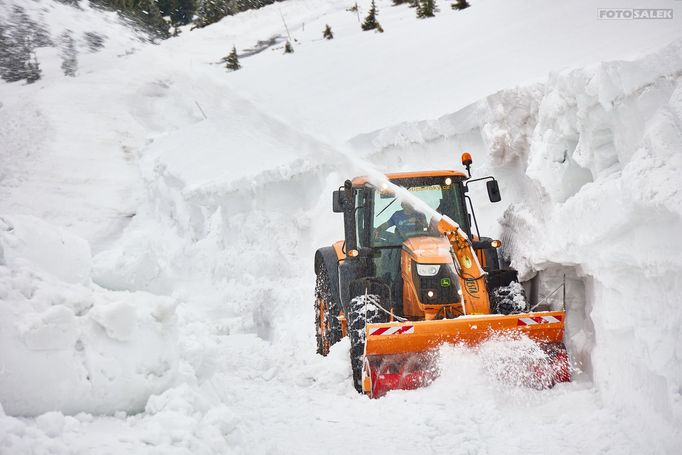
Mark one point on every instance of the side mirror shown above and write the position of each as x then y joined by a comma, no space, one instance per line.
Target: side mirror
493,191
337,201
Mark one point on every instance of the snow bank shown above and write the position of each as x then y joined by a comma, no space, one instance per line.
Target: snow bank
605,161
230,220
102,351
590,162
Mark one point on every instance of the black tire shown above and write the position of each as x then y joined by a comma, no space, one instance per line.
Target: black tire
363,311
326,310
509,299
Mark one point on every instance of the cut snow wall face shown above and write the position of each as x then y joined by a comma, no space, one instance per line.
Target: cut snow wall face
591,123
546,293
232,226
604,194
589,166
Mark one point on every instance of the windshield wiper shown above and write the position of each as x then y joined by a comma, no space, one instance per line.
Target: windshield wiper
384,209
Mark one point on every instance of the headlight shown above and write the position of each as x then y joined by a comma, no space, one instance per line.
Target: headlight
428,269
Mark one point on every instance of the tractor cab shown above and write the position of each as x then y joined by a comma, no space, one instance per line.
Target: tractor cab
406,251
400,247
384,221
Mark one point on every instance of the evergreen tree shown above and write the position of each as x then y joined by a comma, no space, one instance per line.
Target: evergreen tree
165,6
327,33
69,54
413,3
460,5
232,60
181,12
371,19
94,40
33,71
147,14
151,16
18,41
399,2
17,59
426,8
209,12
288,48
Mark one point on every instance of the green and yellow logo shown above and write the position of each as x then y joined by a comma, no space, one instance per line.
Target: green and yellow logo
445,282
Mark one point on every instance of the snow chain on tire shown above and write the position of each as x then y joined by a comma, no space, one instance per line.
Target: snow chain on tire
364,309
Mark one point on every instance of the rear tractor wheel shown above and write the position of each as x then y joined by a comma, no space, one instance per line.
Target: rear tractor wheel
327,325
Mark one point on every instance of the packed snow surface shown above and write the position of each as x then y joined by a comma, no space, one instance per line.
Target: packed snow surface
158,219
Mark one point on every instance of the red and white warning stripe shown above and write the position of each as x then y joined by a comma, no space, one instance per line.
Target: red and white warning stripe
539,320
395,330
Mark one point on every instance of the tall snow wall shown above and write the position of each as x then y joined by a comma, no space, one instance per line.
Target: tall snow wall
589,162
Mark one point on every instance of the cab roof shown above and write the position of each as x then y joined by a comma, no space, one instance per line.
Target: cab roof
358,181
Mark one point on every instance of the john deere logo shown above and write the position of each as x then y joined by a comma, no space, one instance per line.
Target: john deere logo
466,261
445,282
472,286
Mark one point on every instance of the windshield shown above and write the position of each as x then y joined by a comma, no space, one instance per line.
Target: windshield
395,221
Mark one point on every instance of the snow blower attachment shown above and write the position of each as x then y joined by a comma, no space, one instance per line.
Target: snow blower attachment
403,283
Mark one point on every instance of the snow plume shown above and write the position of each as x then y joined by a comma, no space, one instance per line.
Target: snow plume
510,362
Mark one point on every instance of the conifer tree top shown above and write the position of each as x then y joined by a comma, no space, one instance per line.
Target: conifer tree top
232,60
370,22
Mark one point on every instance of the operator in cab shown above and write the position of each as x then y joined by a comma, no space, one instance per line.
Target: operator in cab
407,222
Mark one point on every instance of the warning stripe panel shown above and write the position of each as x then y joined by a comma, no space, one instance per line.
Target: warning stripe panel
396,330
539,320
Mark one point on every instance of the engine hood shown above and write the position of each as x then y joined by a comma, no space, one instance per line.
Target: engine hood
428,250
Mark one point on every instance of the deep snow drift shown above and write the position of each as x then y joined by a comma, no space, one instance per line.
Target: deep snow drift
157,234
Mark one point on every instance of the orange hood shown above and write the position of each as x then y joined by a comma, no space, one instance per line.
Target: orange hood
429,250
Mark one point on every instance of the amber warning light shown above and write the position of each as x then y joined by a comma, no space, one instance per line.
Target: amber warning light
466,161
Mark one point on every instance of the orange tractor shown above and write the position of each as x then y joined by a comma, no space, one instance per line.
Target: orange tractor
410,276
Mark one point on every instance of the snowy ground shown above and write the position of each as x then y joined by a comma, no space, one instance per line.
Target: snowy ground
158,218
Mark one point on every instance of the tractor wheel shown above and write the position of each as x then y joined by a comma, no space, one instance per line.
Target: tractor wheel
327,324
363,311
510,299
